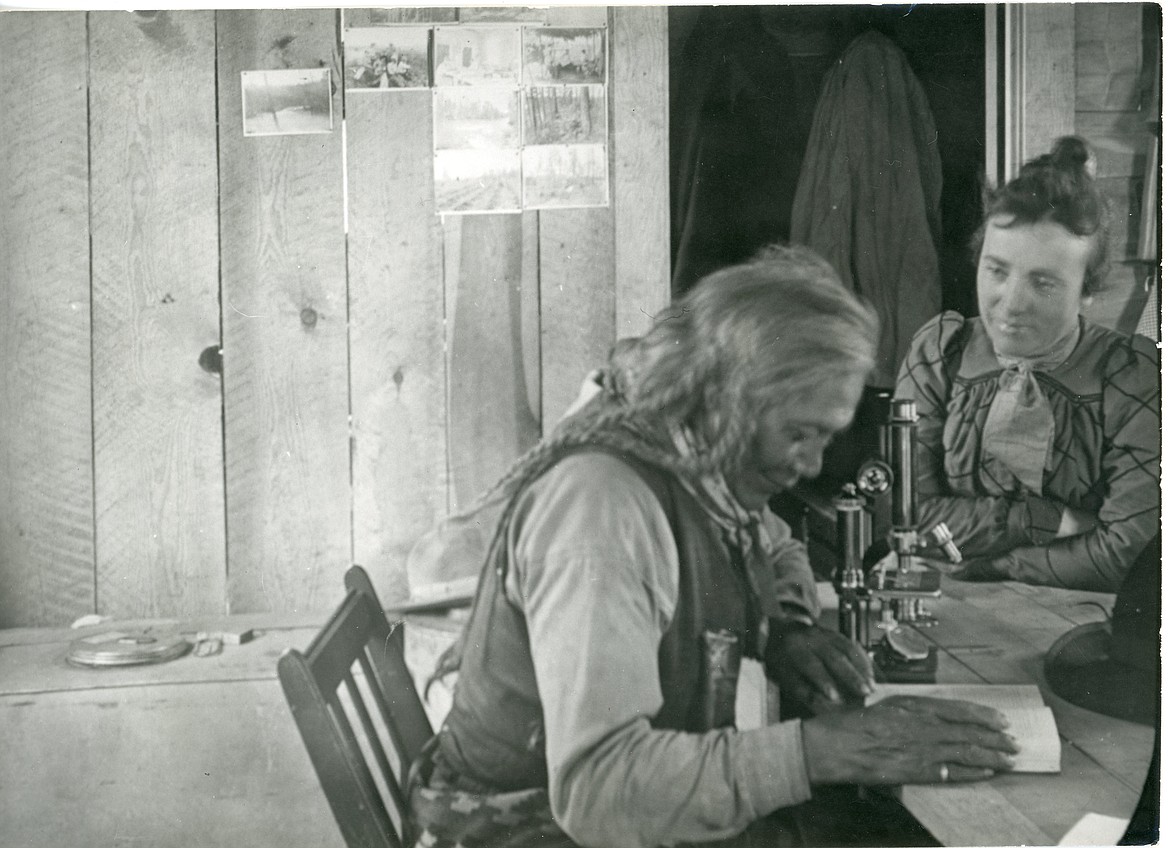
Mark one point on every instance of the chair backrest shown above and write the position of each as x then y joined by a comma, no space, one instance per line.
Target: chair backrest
355,667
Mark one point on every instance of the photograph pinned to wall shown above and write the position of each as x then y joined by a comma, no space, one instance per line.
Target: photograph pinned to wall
470,55
480,14
477,181
287,102
564,55
557,176
480,118
564,114
387,58
364,16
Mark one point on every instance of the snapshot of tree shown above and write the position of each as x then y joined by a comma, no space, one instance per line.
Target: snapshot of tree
573,114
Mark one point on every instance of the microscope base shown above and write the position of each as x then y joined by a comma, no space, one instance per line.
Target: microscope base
890,668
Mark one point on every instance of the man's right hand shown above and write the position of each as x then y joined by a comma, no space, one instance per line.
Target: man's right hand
907,739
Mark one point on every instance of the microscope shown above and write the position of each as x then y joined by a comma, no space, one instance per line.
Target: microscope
897,582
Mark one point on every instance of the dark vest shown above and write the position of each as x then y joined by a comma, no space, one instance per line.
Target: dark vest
494,733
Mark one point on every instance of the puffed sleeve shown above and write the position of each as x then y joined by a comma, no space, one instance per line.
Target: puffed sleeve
1131,463
981,525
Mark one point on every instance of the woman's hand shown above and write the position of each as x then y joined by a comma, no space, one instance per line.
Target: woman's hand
1074,522
980,570
907,739
811,663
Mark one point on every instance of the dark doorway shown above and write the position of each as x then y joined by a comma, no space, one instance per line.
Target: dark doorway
745,81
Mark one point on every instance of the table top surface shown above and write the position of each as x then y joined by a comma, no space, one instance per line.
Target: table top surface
199,750
998,633
200,713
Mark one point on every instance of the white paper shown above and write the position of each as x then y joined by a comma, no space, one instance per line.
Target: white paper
751,695
1095,829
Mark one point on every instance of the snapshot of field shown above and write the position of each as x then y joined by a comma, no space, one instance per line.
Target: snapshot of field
472,194
565,175
547,191
296,119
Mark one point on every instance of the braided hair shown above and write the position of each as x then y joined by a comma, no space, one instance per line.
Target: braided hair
1059,187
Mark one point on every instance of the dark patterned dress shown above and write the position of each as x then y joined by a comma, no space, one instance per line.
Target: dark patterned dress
1105,458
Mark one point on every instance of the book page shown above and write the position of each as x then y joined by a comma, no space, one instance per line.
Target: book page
1030,721
1095,829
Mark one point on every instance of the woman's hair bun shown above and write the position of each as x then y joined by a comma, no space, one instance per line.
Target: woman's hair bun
1071,153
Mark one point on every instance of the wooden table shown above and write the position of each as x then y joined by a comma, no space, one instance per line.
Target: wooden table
196,751
999,633
203,751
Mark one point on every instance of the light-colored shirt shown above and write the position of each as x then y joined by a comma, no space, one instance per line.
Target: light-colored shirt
594,566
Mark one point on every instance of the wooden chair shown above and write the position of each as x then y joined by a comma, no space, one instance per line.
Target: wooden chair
355,667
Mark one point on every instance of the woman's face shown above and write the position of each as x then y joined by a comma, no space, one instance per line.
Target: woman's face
791,438
1030,279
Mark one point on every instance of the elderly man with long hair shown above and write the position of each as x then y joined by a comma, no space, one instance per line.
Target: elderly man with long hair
634,564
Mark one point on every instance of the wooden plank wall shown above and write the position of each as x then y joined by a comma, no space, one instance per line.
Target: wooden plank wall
1111,114
491,422
46,434
380,365
396,330
285,313
1049,88
1084,68
641,202
158,446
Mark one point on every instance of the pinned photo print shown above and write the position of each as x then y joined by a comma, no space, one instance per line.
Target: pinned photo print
558,176
387,58
287,102
564,114
477,118
477,181
477,55
470,14
564,55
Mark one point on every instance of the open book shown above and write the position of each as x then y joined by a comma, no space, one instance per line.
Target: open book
1030,720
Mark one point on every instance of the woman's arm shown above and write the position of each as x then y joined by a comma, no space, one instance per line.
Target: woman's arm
1129,518
981,525
596,572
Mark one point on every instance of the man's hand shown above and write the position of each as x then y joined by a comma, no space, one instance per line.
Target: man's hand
811,664
907,739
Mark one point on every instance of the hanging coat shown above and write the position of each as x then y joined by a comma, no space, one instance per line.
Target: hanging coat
869,191
736,134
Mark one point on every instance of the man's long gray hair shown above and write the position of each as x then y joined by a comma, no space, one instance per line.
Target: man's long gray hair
756,334
747,337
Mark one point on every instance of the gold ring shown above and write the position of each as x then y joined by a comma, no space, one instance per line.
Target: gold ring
944,773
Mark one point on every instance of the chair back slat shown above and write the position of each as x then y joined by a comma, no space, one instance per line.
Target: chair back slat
349,788
357,637
409,726
390,778
333,650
